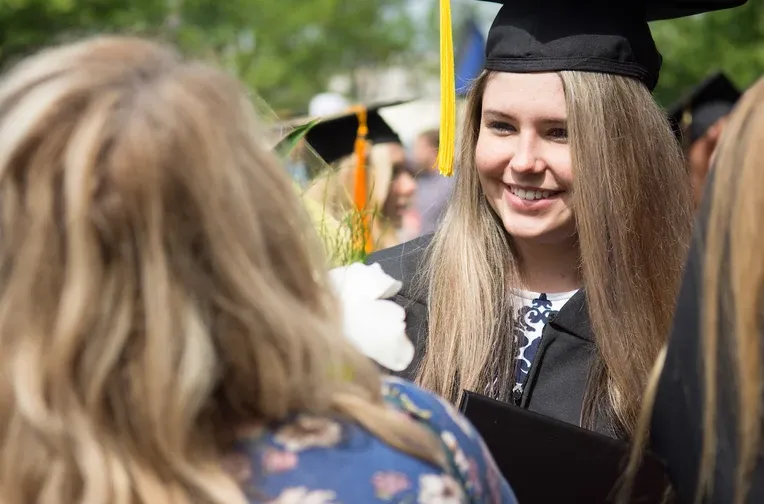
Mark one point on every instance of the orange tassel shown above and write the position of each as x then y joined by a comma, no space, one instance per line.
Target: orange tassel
360,189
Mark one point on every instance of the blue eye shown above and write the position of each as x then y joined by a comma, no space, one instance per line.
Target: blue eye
558,133
501,126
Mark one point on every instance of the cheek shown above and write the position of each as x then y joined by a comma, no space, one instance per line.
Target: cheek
560,163
699,152
491,156
564,170
403,185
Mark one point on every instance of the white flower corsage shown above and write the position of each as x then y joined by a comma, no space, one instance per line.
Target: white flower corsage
373,323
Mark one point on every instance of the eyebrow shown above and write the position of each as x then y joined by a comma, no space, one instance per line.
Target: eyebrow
498,114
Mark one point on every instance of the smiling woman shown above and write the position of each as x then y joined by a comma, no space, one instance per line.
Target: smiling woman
546,270
551,281
523,158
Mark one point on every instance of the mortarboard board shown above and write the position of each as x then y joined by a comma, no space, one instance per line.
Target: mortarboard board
606,36
335,137
693,114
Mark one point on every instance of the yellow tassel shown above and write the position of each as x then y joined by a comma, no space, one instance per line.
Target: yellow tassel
447,92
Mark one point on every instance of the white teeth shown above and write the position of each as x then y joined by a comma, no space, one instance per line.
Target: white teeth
530,195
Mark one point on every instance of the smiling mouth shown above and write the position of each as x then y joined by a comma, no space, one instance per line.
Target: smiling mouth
531,195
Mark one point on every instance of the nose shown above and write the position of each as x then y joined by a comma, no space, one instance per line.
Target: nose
525,158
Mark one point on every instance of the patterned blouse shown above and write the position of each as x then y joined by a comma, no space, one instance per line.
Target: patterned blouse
533,313
323,461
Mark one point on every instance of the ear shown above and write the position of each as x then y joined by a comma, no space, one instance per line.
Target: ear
715,131
714,135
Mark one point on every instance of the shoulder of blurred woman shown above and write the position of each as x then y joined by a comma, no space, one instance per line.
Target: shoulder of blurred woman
471,461
424,405
332,460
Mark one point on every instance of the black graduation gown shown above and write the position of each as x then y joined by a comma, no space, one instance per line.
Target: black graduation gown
677,422
560,370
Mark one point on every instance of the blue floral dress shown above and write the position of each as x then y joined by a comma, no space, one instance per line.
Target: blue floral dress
315,460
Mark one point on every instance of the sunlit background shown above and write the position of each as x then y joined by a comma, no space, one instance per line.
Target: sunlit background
289,51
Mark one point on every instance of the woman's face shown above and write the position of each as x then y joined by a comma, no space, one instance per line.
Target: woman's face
523,157
402,187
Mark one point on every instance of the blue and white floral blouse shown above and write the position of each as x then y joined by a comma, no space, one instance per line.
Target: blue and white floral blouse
323,461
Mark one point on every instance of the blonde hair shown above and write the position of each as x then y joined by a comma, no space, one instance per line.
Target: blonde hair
731,294
632,245
335,236
733,267
161,287
334,189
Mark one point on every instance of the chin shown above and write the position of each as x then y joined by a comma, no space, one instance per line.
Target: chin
541,238
395,222
540,230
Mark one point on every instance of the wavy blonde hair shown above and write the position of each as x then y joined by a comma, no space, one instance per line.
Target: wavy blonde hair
334,189
160,285
632,244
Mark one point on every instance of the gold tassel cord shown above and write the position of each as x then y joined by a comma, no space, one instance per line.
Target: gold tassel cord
686,118
447,92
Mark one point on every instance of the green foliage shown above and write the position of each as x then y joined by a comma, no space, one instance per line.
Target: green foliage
291,140
353,222
286,50
26,25
729,40
307,45
340,237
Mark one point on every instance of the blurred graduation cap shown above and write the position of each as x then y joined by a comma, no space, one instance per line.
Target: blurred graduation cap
605,36
693,114
335,137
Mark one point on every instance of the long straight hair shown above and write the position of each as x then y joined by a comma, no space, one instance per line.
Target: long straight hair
632,239
161,287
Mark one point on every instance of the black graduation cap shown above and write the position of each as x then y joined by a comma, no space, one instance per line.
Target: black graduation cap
334,138
608,36
693,114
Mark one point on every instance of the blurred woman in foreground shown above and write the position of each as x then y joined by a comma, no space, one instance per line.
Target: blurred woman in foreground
706,420
164,315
